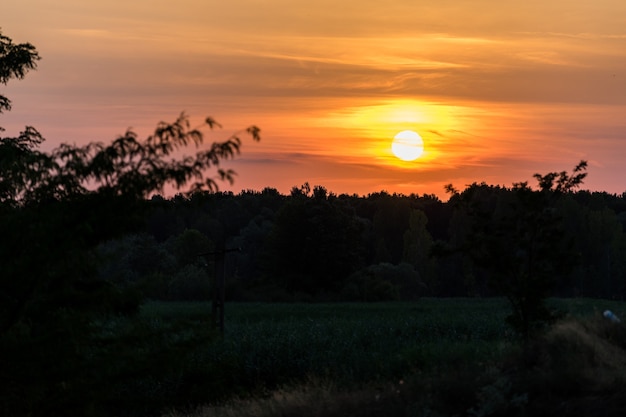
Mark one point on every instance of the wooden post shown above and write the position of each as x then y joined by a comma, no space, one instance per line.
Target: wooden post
219,287
219,290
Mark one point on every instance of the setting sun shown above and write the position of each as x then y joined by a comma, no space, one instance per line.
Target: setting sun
407,145
495,96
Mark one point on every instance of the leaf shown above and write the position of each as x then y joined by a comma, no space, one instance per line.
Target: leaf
211,122
255,132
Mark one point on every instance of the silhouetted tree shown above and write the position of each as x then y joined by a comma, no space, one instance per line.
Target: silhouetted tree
15,61
389,223
315,243
55,207
522,243
417,249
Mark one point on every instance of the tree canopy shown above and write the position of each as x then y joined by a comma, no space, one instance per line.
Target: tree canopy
15,61
518,236
59,203
55,208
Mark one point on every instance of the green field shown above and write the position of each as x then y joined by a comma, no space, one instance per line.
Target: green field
266,347
269,344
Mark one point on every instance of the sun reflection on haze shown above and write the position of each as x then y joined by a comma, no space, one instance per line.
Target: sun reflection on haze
377,124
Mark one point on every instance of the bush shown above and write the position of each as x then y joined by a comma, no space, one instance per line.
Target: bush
191,283
384,282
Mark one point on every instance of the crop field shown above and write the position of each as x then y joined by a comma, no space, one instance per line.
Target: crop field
274,343
267,346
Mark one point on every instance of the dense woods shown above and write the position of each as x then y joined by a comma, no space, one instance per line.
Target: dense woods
313,245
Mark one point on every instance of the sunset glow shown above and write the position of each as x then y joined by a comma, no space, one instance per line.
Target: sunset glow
498,92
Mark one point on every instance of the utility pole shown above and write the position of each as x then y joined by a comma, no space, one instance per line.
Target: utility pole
219,287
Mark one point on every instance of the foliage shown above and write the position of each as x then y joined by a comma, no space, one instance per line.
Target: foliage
389,223
522,242
15,61
56,207
418,244
127,167
128,367
384,282
591,223
315,243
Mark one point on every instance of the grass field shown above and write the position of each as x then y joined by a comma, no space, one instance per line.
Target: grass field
449,350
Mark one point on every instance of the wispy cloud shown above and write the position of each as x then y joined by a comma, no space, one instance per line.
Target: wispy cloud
498,90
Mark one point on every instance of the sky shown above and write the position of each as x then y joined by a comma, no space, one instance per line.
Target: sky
498,90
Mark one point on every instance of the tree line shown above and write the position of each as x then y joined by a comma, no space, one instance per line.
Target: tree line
313,245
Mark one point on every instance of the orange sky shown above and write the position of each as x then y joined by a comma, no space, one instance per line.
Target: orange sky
497,92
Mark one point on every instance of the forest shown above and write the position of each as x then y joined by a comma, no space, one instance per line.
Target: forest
313,245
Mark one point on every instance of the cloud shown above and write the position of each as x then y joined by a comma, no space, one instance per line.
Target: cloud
496,87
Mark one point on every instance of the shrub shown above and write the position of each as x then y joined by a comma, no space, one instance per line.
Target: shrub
191,283
384,282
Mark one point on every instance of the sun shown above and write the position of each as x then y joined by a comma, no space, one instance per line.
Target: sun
407,145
